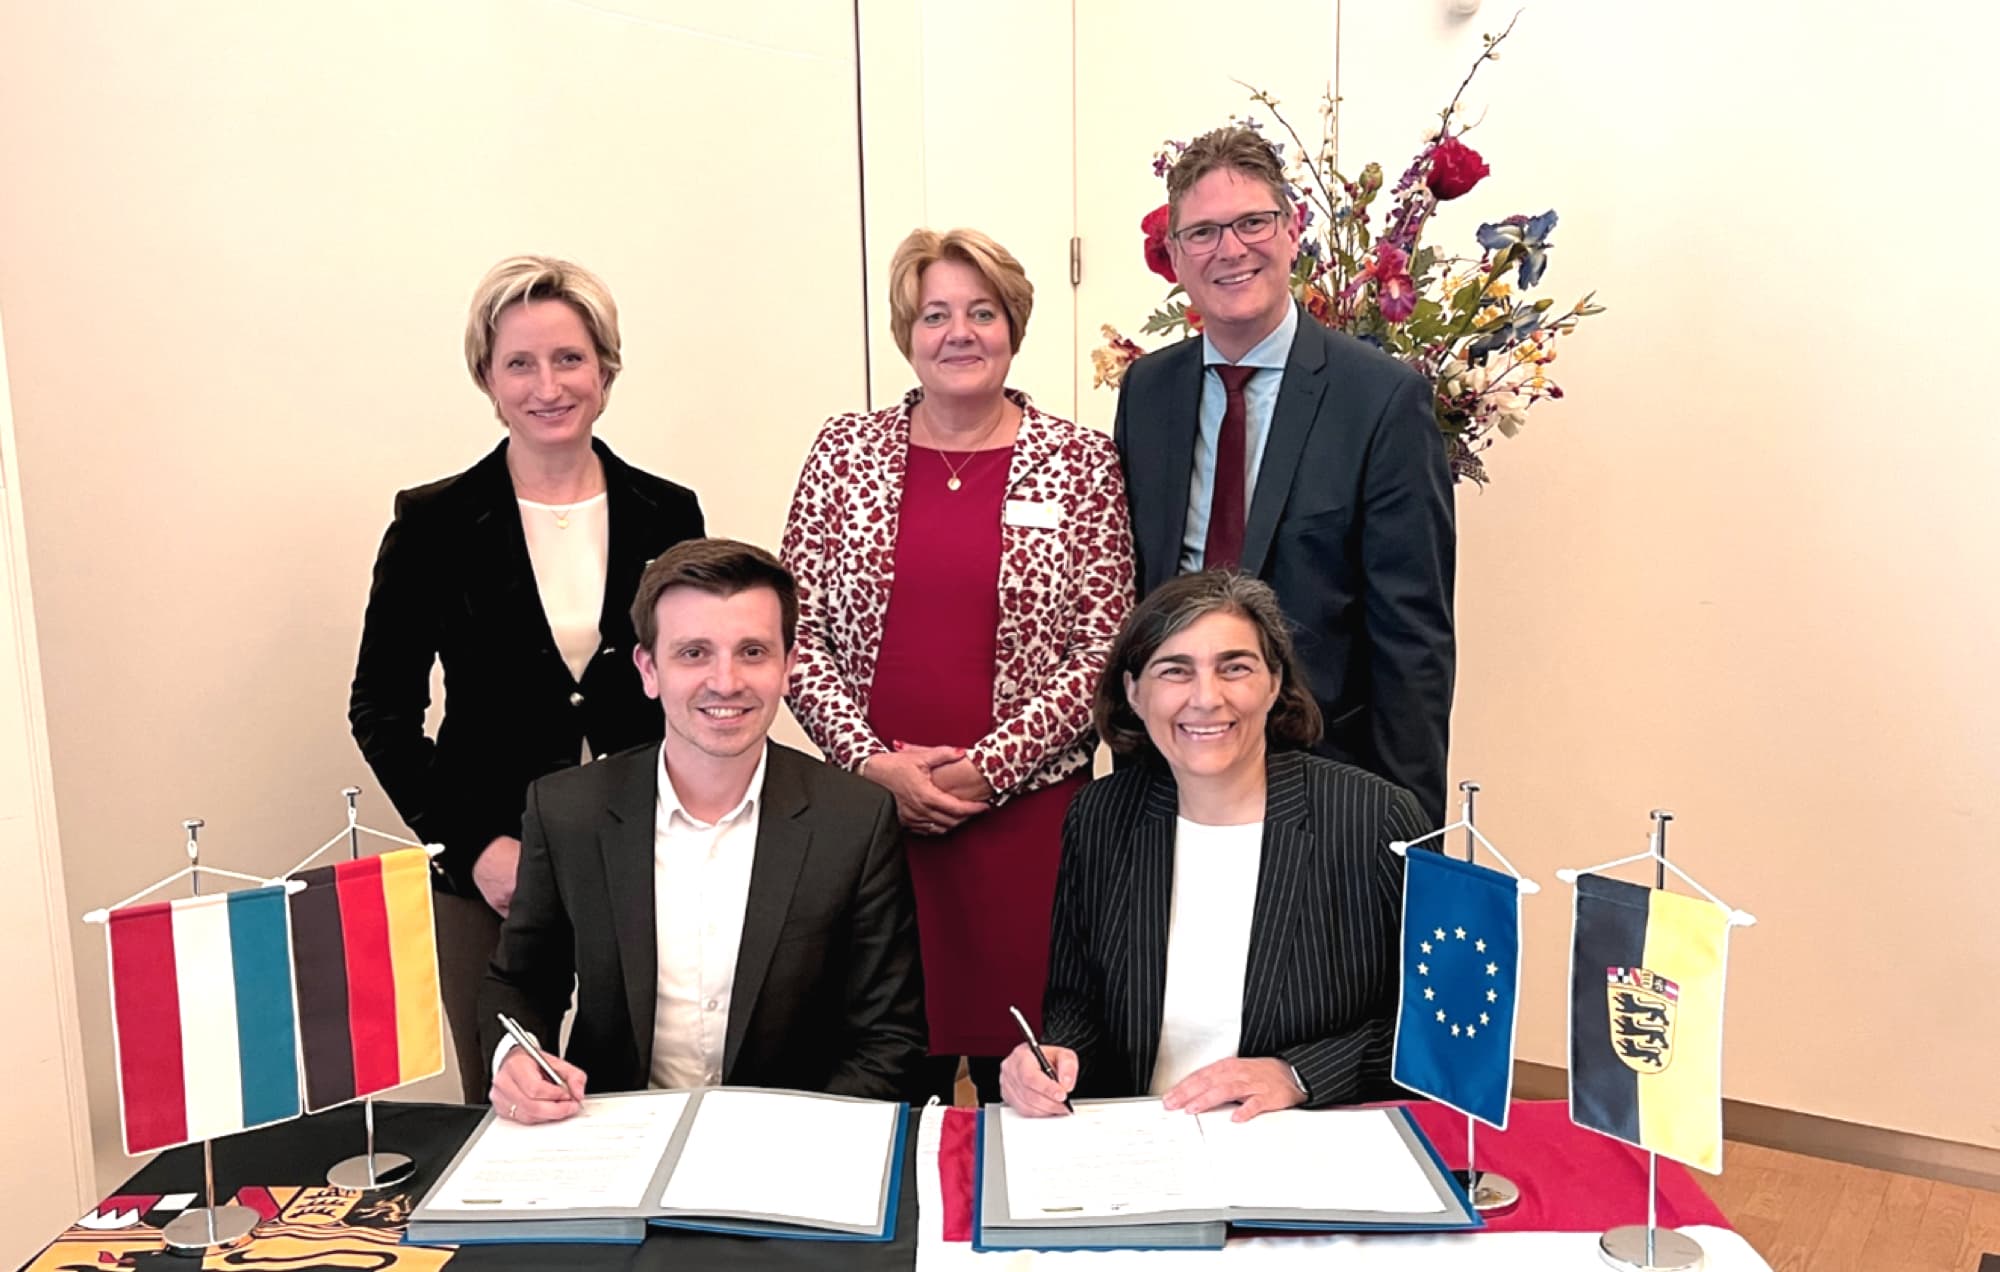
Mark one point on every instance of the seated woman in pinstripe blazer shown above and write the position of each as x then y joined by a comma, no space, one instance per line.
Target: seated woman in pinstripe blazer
1226,914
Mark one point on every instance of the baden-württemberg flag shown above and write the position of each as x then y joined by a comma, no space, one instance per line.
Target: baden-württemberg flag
368,980
1461,974
1645,1018
201,1012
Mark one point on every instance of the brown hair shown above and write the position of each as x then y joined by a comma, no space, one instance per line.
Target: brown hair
1172,608
1235,147
992,262
719,567
519,279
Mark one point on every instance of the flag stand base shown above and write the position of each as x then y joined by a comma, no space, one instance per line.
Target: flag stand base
1491,1193
1625,1248
211,1228
366,1174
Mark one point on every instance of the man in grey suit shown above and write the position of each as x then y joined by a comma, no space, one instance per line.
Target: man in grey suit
1303,457
729,910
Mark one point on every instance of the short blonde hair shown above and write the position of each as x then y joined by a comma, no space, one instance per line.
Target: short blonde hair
992,262
519,279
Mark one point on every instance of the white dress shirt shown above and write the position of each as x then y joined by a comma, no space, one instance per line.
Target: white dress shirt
1208,947
701,882
1260,403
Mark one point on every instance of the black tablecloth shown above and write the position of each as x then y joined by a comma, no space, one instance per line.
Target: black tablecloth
316,1228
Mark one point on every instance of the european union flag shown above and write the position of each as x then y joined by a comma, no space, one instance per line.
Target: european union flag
1461,977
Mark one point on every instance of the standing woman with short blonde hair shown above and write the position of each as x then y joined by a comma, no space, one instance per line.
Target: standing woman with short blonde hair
963,561
515,575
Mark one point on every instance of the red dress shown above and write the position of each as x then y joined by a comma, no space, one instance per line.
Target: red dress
984,891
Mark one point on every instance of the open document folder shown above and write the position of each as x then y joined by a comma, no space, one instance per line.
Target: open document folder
1132,1174
721,1159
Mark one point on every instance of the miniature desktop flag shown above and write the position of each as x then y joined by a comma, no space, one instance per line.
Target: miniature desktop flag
1645,1018
1461,975
202,1020
366,953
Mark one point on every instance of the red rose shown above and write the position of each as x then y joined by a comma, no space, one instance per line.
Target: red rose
1455,169
1154,224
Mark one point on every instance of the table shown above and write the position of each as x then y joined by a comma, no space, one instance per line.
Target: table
281,1171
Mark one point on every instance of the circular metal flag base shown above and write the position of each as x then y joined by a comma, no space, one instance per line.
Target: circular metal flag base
1625,1248
210,1228
1492,1194
354,1174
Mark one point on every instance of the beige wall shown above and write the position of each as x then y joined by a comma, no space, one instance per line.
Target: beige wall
1744,572
236,246
46,1174
1747,570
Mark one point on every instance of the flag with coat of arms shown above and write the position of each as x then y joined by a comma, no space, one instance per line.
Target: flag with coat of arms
1461,952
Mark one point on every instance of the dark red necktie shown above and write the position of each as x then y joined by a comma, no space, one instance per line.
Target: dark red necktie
1223,549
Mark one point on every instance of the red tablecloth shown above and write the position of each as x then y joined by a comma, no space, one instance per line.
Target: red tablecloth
1571,1180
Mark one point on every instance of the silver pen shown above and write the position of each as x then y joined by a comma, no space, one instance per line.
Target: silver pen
526,1042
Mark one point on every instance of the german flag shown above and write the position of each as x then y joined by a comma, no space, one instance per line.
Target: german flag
1645,1018
366,955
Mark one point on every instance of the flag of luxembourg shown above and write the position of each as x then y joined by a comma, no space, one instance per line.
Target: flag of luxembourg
202,1016
1461,977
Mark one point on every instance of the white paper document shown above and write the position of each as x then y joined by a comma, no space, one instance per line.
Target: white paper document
603,1157
1118,1158
789,1156
1325,1159
1137,1157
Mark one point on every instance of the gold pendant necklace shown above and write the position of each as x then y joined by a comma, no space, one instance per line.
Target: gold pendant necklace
944,456
562,517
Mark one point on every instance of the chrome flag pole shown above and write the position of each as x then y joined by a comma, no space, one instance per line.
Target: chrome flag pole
209,1227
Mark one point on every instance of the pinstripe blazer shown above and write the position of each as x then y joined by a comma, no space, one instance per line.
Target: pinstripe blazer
1320,988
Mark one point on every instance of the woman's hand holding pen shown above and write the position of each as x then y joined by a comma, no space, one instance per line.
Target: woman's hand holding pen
1028,1091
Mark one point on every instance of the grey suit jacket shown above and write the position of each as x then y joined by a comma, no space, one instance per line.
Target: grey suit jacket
1351,524
828,992
1320,988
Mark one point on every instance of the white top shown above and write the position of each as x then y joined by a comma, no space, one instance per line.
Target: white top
570,548
1208,947
701,882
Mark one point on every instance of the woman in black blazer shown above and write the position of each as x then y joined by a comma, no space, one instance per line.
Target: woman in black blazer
1226,916
516,575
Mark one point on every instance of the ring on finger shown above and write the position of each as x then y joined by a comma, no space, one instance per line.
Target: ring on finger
513,1112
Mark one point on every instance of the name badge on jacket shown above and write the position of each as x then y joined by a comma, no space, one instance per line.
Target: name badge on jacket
1032,513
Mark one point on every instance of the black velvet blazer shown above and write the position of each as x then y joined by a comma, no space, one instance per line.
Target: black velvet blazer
453,583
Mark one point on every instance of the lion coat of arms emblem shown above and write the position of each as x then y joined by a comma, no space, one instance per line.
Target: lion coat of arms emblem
1642,1017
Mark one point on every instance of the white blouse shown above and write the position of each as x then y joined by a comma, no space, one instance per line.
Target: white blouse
1208,947
570,549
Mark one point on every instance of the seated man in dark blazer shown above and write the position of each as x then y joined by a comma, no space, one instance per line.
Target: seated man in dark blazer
1302,457
729,910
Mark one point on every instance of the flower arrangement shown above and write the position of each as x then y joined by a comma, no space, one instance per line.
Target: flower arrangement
1463,321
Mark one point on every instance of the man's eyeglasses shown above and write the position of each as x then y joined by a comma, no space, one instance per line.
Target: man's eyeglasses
1251,227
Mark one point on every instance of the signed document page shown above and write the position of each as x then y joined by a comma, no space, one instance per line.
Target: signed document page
1114,1158
603,1158
797,1157
1321,1160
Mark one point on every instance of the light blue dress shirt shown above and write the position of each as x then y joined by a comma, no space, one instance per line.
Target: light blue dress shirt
1260,401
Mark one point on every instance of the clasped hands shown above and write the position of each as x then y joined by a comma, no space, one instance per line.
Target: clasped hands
1259,1085
520,1093
936,787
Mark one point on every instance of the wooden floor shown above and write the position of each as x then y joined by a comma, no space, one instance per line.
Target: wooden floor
1808,1213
